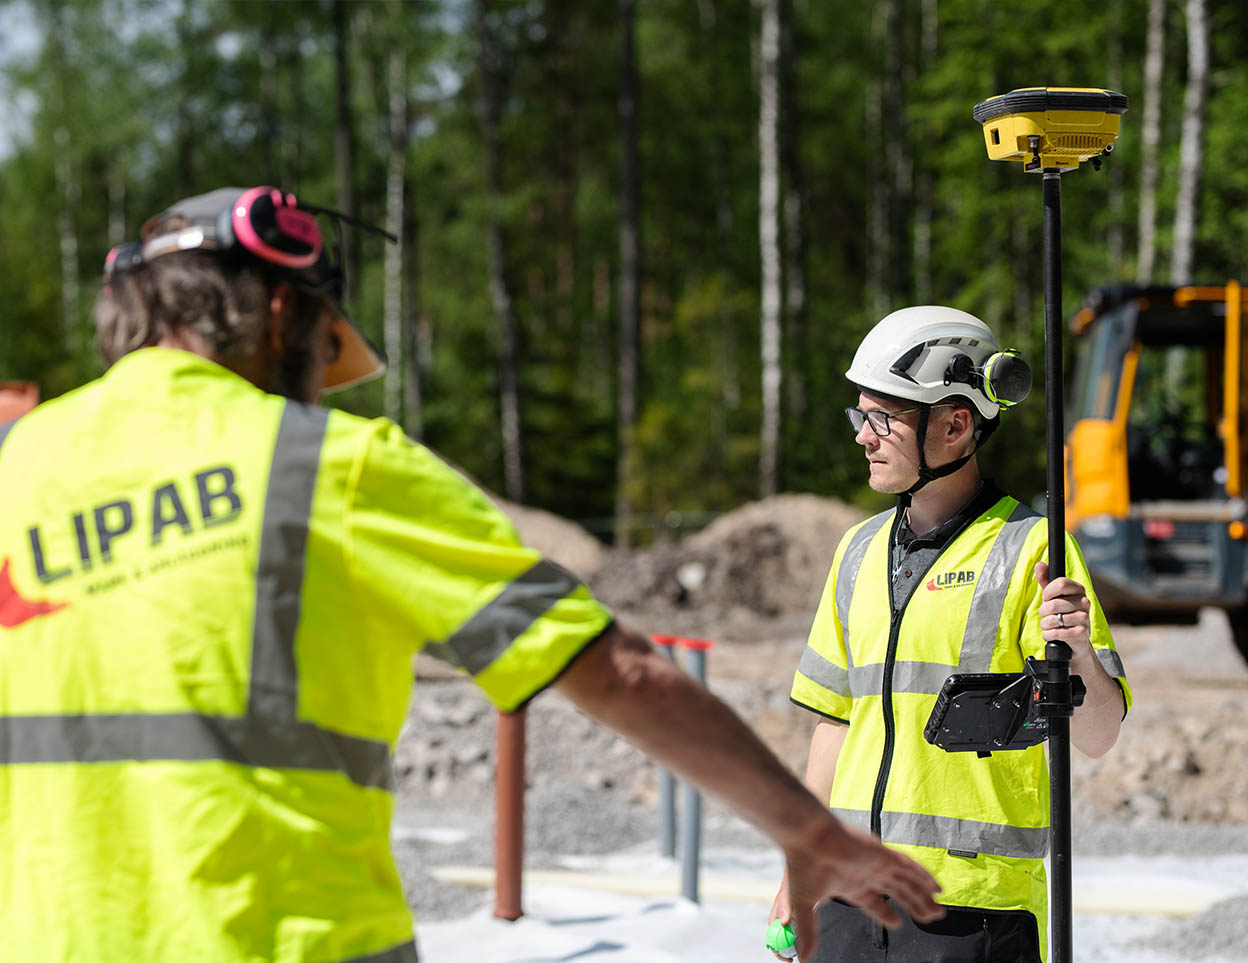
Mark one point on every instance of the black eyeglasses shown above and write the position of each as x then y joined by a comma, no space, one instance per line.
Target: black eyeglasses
879,419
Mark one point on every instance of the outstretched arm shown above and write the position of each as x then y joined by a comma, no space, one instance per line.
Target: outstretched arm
622,682
825,748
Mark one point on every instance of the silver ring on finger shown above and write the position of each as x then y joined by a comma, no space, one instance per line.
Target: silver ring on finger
1060,620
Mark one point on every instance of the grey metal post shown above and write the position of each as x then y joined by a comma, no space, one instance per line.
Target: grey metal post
690,841
667,795
691,806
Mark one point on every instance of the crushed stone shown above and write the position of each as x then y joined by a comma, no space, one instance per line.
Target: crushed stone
1219,933
1174,784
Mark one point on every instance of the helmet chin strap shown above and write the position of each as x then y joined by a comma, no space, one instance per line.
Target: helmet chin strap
927,474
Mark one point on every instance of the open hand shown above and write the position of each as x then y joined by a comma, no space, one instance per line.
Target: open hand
851,864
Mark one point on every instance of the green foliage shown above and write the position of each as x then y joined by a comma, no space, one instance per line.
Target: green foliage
163,98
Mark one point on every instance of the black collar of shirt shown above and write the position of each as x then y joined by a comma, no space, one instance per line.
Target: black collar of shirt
987,495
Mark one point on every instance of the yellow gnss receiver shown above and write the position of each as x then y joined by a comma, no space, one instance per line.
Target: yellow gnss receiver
1051,128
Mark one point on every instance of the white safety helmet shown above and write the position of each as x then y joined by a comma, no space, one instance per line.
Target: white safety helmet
929,353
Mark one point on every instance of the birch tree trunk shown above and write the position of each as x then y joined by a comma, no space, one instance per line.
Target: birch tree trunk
630,276
769,242
489,108
344,144
1150,138
1191,144
394,257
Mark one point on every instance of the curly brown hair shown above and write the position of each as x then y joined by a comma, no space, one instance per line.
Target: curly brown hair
223,298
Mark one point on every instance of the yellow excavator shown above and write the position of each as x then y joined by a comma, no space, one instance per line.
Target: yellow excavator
1156,441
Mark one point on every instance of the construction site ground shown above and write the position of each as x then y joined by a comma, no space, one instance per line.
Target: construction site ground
1160,823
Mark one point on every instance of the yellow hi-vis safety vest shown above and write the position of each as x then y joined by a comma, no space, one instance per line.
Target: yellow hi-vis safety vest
210,598
979,825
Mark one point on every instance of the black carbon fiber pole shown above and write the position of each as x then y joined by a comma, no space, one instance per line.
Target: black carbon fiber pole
1056,654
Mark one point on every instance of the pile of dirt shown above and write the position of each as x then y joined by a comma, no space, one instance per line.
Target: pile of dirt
767,558
751,581
1179,757
557,538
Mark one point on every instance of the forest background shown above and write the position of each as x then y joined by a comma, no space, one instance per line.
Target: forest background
640,239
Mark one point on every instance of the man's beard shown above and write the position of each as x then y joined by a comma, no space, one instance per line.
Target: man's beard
289,377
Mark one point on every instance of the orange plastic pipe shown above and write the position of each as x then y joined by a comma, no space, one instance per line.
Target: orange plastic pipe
509,815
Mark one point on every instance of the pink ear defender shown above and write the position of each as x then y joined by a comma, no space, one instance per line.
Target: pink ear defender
275,229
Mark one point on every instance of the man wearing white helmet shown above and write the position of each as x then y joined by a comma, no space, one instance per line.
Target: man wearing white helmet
952,580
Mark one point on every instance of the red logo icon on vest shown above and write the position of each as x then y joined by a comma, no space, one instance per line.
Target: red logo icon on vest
950,580
14,610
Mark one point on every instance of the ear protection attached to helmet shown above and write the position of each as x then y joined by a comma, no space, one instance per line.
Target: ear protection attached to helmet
1004,377
274,228
271,226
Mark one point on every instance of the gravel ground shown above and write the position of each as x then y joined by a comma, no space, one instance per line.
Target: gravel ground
1221,932
1175,785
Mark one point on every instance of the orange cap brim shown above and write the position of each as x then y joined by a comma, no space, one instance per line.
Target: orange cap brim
358,360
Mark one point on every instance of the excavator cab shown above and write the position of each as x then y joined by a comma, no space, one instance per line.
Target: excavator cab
1156,437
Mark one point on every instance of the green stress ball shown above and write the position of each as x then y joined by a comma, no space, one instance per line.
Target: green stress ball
780,940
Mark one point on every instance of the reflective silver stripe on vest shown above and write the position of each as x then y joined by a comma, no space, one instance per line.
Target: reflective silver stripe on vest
991,585
5,428
855,817
923,678
947,832
824,673
403,953
1111,662
281,561
488,633
269,735
188,737
851,562
272,734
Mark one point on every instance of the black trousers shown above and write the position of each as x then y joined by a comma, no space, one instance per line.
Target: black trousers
847,935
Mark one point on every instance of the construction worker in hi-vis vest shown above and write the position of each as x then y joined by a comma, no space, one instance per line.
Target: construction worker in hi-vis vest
952,580
211,591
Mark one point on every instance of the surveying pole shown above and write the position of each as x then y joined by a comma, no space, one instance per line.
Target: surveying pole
1051,130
